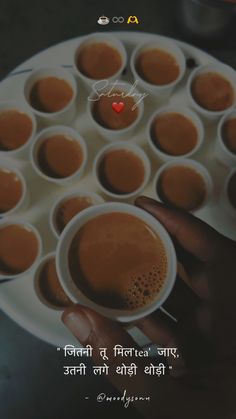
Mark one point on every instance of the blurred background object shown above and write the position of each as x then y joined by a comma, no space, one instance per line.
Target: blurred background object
207,18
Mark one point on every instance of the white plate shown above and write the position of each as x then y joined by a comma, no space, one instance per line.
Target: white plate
17,297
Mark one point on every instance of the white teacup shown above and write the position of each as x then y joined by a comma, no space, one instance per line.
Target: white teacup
187,113
137,151
64,115
50,132
24,199
95,39
161,92
222,152
95,200
192,164
77,296
31,228
21,107
127,89
223,70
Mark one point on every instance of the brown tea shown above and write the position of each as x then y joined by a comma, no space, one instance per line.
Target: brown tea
50,94
15,129
232,190
59,156
182,187
105,115
229,134
18,249
50,287
110,264
212,91
157,66
69,208
99,60
121,171
174,134
10,190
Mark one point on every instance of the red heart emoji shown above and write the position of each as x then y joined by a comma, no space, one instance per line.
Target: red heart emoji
118,107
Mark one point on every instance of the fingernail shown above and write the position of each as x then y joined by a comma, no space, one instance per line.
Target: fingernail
78,323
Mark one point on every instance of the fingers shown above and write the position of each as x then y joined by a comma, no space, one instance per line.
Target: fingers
191,233
158,327
163,331
182,300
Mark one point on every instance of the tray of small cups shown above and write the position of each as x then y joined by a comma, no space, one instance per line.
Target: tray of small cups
100,119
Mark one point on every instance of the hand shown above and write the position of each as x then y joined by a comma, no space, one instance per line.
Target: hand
203,302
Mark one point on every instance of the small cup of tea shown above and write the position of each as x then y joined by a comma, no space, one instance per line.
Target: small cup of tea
121,170
175,132
158,65
118,260
225,146
20,248
228,200
51,94
68,206
211,90
17,129
115,109
185,184
99,57
59,155
47,285
13,190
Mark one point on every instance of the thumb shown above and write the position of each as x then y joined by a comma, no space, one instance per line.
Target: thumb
90,328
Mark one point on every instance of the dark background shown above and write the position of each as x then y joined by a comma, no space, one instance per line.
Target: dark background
31,380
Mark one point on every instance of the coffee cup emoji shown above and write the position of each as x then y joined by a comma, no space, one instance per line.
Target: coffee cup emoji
103,20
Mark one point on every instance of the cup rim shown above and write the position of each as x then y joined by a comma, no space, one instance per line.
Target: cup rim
189,114
29,226
63,270
117,44
219,68
66,76
63,130
226,117
138,151
11,168
161,43
62,198
110,131
23,108
194,165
